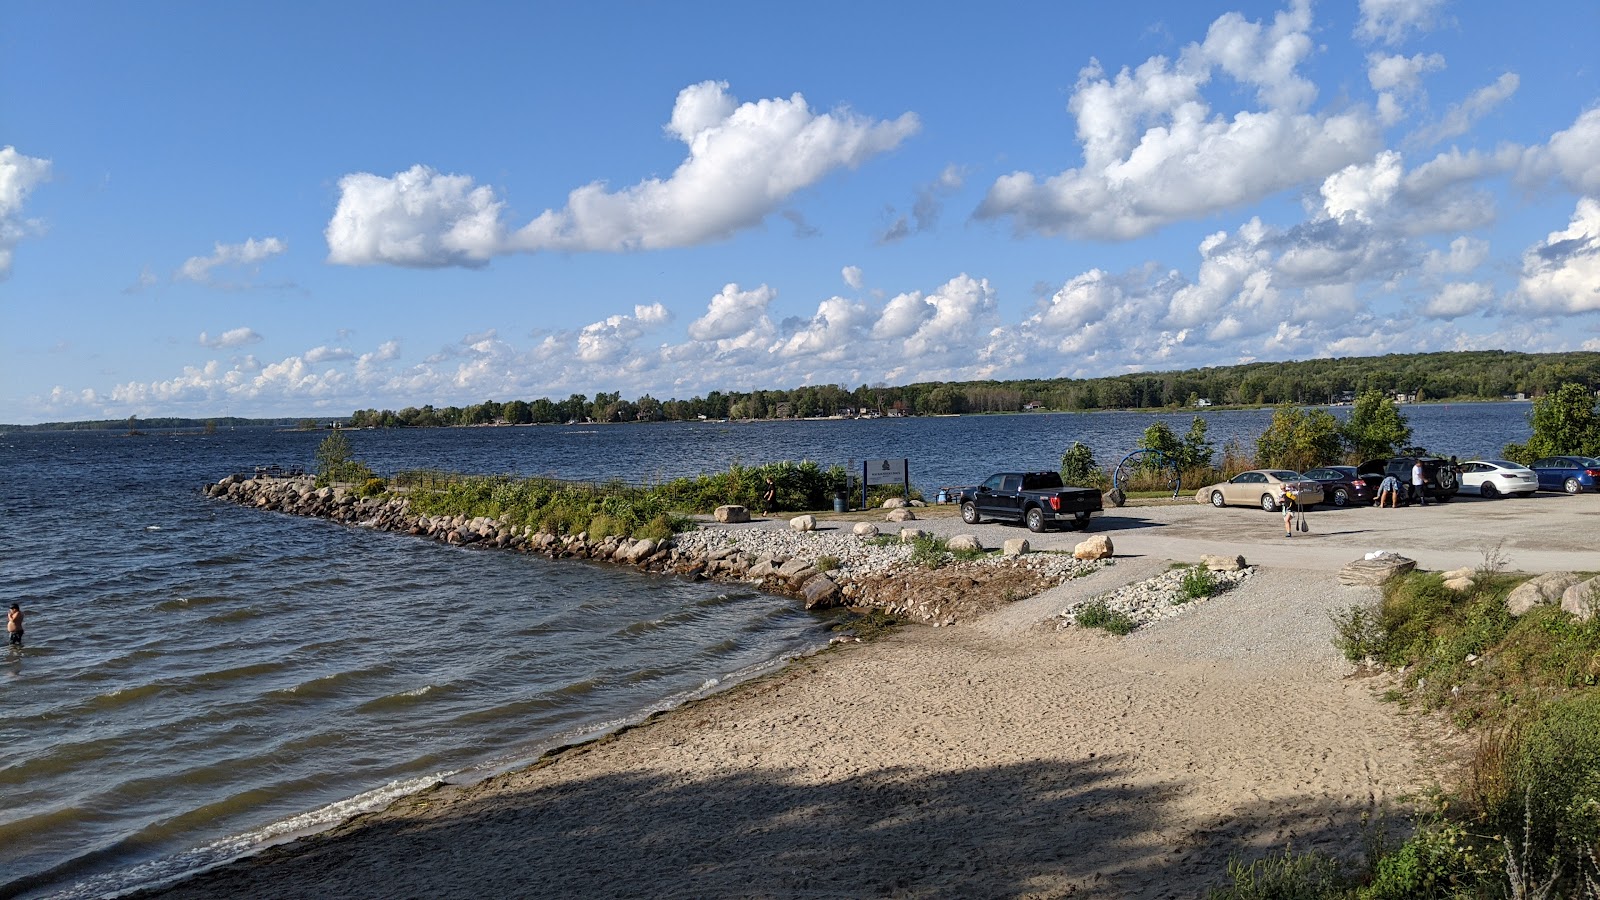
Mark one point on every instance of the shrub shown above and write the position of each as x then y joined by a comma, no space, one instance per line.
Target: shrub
827,563
372,487
1438,860
1553,788
1358,632
1096,614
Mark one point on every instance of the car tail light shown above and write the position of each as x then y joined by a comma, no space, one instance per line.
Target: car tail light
1055,503
1359,482
1592,473
1511,475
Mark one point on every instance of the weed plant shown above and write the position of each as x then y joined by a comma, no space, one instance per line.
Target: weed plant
1198,583
1096,614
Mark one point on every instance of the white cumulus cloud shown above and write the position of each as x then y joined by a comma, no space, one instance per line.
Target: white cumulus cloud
235,337
1562,275
1155,152
732,312
1459,299
252,251
744,161
19,175
1391,21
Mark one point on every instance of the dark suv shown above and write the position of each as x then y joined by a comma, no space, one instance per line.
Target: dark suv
1439,479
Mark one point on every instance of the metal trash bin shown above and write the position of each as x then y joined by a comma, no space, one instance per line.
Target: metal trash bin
839,502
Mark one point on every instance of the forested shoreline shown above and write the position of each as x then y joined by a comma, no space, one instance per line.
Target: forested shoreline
1453,376
1460,375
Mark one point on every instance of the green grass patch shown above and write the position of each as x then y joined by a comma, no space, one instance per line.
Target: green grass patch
1096,614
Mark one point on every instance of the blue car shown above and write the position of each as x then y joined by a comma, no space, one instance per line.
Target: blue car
1573,474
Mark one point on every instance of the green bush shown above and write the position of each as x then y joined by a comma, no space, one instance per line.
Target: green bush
1441,860
372,487
1096,614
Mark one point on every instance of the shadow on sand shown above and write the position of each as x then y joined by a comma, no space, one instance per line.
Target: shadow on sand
1039,829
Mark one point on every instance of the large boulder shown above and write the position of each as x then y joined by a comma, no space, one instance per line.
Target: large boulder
912,535
1095,547
820,592
964,542
806,522
1016,547
1540,590
865,529
731,514
1582,600
1218,563
901,515
1377,570
1459,580
798,568
895,503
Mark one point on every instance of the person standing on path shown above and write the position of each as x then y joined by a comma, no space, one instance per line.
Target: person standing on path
14,625
1286,503
1418,483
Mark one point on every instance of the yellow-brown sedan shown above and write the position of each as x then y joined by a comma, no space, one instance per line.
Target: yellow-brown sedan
1261,487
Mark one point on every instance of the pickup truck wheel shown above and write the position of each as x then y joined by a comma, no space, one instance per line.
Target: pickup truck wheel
1269,504
1217,501
1035,519
969,513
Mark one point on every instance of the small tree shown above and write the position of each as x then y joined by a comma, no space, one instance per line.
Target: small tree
1376,427
334,462
1078,466
1159,437
1197,450
1563,423
1299,439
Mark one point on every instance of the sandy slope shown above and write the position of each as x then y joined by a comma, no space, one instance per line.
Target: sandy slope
997,759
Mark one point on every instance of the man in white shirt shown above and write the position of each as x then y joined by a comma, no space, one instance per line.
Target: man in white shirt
1418,483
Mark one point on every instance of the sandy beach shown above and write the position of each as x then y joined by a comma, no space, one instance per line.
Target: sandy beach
1003,757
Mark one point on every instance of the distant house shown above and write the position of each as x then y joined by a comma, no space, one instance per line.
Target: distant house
1202,401
1032,405
1403,397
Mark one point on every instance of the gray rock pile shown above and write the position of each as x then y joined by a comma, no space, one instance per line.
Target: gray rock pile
1158,598
824,569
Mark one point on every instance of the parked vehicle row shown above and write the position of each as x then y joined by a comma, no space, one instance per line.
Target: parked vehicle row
1442,479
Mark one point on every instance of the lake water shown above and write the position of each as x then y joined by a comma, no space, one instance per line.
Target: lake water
201,678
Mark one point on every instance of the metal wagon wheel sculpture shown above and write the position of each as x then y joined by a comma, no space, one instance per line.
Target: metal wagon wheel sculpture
1142,460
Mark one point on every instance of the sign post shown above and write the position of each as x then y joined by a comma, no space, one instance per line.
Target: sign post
885,471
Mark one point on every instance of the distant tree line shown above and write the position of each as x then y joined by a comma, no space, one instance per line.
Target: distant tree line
1469,375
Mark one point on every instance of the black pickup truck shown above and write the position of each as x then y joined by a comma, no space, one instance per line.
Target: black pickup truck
1038,499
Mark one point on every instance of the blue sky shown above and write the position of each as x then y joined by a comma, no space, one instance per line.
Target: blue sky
290,209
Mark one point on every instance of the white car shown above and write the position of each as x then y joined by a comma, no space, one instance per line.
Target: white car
1490,478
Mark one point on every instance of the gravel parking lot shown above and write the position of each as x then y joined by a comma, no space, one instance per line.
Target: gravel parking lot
1543,533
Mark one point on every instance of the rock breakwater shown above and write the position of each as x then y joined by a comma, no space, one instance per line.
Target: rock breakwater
824,569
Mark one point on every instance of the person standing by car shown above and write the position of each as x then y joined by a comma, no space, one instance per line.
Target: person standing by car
1419,482
1286,503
